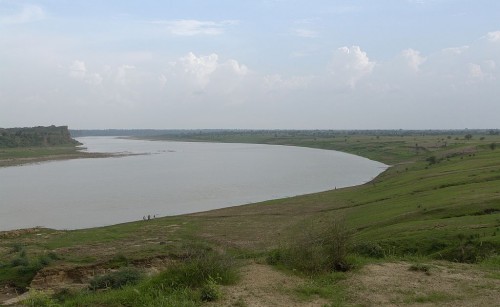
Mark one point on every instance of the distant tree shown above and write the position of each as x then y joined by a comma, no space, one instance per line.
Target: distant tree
468,136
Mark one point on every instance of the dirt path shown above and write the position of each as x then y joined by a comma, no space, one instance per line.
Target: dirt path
262,286
447,284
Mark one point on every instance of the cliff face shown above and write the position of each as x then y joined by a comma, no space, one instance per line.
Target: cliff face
36,136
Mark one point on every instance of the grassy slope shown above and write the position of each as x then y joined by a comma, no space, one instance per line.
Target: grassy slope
413,208
409,207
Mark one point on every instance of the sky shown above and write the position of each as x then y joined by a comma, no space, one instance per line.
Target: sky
256,64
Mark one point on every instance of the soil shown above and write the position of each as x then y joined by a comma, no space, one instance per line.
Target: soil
446,284
261,286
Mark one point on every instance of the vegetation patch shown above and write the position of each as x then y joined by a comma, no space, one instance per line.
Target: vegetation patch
18,270
320,248
188,283
116,280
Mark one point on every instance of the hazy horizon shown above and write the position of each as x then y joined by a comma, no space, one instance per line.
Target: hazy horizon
265,64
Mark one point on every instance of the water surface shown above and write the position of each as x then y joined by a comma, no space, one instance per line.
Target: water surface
167,178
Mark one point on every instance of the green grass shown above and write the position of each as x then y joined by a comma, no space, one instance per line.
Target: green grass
327,286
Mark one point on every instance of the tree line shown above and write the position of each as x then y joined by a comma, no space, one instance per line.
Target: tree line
35,137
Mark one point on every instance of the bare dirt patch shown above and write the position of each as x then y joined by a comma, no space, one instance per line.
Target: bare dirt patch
446,284
261,285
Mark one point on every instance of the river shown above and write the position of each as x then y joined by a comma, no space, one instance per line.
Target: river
167,178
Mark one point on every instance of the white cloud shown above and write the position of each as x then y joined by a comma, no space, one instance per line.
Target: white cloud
475,71
122,74
29,13
413,58
236,67
191,27
490,64
349,65
162,80
278,82
493,36
78,70
455,50
196,69
306,33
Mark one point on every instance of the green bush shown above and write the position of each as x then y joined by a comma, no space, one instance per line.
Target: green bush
210,291
320,248
17,247
115,280
19,261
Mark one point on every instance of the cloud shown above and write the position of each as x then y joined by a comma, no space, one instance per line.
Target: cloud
122,74
191,27
78,70
162,80
236,67
278,82
28,13
455,50
306,33
475,71
414,59
349,65
493,36
196,69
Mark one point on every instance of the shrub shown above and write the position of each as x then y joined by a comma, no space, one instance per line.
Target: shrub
274,257
321,248
17,247
115,280
210,291
431,160
19,261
